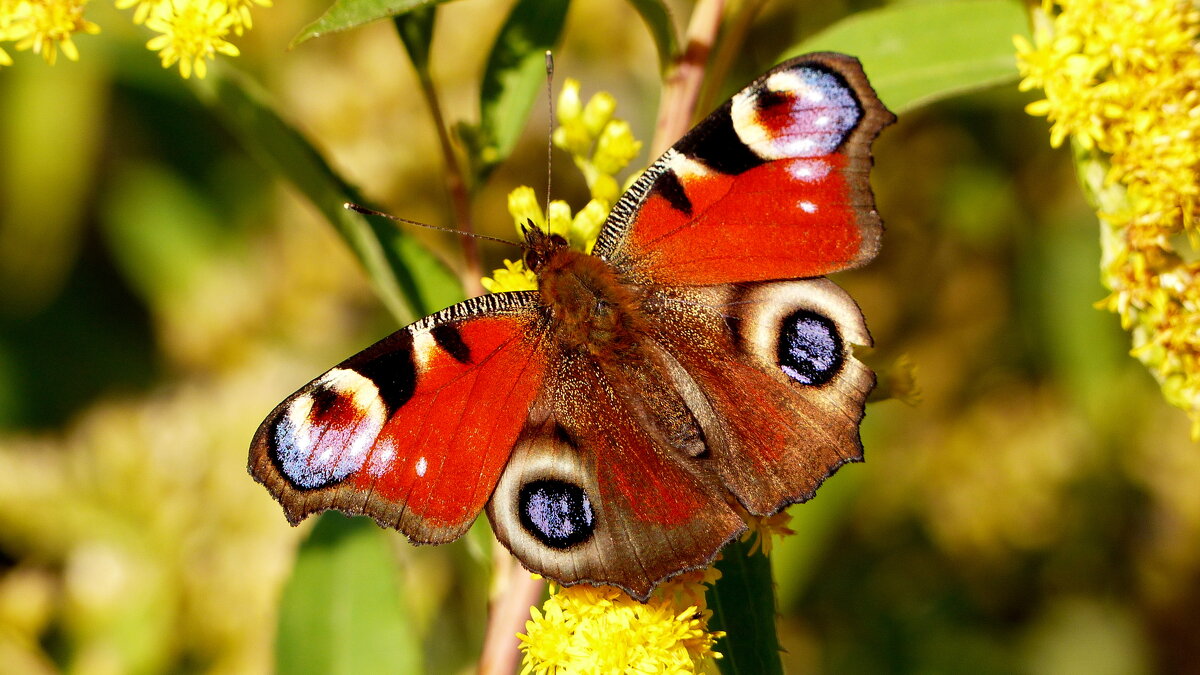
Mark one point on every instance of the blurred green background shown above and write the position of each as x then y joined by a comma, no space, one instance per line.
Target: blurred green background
1037,512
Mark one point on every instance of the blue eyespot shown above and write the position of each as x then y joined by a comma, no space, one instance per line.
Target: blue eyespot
556,513
810,349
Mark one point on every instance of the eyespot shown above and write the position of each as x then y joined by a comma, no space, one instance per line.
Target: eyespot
809,350
556,513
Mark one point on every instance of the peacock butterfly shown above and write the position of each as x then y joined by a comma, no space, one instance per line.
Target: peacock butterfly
613,421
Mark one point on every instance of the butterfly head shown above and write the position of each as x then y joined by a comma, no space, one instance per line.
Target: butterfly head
540,246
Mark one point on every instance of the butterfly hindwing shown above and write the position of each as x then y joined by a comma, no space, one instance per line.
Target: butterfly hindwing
415,430
772,185
746,393
606,484
775,363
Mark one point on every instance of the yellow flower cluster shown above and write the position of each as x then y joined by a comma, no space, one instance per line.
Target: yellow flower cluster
599,629
1120,79
601,147
43,26
190,32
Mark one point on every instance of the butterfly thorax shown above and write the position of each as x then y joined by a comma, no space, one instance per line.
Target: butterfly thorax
590,308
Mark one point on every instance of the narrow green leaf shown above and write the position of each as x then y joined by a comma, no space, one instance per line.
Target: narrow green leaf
657,16
515,76
743,604
916,53
409,280
416,32
341,609
346,14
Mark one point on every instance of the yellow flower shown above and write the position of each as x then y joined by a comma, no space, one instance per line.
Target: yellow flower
765,529
1120,81
44,26
601,146
144,7
599,629
192,32
514,277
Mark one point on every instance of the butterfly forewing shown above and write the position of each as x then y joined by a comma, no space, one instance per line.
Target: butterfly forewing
771,185
415,430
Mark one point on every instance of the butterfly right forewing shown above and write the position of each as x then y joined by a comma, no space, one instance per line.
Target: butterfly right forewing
771,185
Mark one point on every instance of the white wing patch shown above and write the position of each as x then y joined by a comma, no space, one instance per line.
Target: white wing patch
316,447
805,112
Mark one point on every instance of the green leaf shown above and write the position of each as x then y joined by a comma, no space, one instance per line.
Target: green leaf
657,16
341,609
416,32
347,14
743,605
515,76
410,281
916,53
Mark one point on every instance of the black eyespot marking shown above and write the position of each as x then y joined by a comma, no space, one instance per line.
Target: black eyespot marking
671,189
715,144
389,364
448,338
324,398
810,349
556,513
767,99
563,436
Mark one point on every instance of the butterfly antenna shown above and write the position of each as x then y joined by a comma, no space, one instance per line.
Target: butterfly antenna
358,208
550,135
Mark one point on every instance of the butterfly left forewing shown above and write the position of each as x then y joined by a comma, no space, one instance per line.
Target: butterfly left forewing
771,185
415,430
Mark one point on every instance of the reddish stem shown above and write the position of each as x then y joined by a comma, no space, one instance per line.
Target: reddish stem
518,590
681,87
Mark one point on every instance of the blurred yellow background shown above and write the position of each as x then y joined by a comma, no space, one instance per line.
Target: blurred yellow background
1038,511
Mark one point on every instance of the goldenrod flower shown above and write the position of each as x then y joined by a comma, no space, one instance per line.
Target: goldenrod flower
192,32
1120,79
44,26
143,8
599,629
765,530
514,277
240,10
580,231
601,147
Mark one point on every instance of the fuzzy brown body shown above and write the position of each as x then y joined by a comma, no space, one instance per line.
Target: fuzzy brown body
600,323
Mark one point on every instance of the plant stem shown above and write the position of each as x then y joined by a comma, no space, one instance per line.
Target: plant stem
681,86
456,185
737,23
507,613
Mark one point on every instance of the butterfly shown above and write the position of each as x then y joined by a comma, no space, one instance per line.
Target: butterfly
615,421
